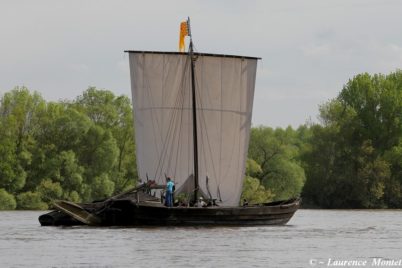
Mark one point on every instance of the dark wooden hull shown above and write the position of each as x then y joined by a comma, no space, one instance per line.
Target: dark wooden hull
126,212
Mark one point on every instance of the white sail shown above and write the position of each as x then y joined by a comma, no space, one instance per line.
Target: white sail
161,91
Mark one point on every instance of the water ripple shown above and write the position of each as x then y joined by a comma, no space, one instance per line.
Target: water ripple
318,234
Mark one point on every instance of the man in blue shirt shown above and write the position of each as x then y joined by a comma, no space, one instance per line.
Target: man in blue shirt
169,192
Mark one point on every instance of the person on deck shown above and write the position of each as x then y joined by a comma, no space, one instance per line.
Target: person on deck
169,192
201,203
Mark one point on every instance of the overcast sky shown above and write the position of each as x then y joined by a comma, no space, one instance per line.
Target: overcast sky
309,48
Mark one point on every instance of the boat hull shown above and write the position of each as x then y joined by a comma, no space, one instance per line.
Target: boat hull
126,212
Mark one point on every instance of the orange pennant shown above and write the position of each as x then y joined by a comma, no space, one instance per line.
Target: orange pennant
183,34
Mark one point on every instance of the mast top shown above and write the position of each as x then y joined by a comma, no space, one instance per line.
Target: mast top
188,27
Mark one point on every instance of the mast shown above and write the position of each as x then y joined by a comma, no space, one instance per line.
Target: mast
194,108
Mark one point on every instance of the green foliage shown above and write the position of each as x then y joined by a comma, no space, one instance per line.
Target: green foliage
115,115
98,151
7,201
79,151
355,158
84,150
254,192
49,191
276,153
31,201
102,187
393,195
286,179
73,196
253,168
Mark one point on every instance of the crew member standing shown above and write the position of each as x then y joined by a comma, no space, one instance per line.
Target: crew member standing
169,192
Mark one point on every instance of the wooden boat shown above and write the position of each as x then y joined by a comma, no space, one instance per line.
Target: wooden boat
192,121
126,210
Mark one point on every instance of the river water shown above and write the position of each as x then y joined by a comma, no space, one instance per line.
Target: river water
313,238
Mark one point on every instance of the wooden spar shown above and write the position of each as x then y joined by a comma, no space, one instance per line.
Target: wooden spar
77,212
194,104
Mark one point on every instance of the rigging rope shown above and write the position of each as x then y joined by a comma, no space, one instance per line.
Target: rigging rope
204,129
172,126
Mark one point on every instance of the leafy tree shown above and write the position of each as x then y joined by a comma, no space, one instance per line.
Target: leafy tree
78,150
18,122
350,163
276,151
7,201
286,179
98,151
254,192
393,184
102,187
253,169
31,201
49,191
114,114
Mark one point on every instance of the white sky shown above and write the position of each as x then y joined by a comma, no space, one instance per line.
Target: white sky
309,48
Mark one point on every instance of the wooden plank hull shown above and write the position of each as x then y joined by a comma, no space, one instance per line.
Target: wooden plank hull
126,212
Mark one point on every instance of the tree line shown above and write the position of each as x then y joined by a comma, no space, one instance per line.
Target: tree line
79,150
352,158
83,150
